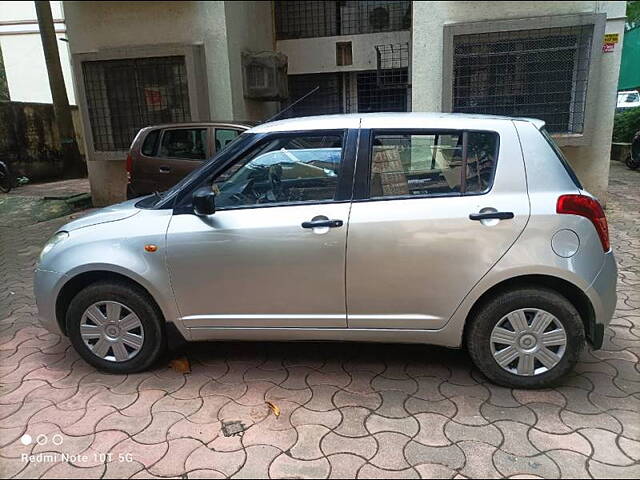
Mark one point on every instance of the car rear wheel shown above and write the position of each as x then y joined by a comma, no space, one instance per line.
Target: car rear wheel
115,327
526,338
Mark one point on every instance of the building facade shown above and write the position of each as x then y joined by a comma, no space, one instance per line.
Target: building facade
139,63
22,53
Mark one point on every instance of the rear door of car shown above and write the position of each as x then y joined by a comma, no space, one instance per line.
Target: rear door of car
179,150
420,232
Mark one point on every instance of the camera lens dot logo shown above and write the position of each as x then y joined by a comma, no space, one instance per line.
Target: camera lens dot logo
26,439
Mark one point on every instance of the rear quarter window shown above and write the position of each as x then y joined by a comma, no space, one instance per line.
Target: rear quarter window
561,158
150,144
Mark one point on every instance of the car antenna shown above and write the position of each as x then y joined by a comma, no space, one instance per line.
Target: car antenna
294,103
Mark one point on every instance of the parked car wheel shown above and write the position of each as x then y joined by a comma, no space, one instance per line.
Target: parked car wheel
526,338
115,327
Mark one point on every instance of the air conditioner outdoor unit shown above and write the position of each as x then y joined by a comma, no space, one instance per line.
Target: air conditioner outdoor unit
265,75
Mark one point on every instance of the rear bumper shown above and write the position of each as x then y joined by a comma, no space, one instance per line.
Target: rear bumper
603,296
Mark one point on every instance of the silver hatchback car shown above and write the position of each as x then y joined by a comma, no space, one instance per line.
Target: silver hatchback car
455,230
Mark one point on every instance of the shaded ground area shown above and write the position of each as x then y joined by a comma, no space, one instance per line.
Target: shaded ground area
39,202
346,410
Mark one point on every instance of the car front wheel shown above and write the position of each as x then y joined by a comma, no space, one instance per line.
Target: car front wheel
526,338
115,327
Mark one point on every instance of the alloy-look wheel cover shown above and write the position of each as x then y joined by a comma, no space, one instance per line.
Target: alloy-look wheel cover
112,331
528,342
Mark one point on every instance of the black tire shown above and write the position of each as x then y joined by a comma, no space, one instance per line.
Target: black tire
6,182
631,163
139,302
492,311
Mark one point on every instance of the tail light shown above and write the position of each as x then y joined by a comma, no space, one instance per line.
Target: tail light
129,165
589,208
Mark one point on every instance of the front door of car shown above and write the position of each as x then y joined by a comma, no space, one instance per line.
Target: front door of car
273,253
416,245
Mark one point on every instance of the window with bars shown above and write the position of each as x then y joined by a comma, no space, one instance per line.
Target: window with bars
539,73
350,92
383,90
125,95
307,19
328,99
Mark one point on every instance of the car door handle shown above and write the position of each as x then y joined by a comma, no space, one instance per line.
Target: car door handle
164,170
491,215
322,223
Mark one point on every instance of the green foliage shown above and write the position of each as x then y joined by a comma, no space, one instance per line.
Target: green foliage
633,15
625,124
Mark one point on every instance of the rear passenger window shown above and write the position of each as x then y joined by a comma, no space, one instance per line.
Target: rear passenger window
431,164
482,148
187,143
150,143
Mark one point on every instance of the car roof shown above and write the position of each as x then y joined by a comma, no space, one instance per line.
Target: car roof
211,123
386,120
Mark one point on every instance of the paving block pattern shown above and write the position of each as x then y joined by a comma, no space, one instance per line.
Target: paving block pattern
345,410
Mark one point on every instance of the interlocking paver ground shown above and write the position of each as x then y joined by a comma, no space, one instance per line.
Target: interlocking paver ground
346,410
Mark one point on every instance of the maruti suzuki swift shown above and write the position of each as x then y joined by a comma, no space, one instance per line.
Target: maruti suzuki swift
457,230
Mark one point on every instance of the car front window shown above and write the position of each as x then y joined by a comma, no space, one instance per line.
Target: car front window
286,169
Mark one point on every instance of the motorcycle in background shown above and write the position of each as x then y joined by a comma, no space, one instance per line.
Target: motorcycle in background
633,160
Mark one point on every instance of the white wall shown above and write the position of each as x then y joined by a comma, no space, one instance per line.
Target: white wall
591,162
24,62
318,55
96,26
249,28
223,28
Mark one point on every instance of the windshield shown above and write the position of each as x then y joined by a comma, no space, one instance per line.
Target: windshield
230,149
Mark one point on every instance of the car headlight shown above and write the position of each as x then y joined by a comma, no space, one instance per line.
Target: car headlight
52,242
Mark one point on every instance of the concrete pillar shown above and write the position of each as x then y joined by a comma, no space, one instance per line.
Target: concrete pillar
108,180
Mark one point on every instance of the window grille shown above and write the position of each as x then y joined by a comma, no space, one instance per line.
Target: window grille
307,19
350,92
538,73
125,95
327,100
383,90
393,63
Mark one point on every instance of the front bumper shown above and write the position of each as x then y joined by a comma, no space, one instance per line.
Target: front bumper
603,296
45,287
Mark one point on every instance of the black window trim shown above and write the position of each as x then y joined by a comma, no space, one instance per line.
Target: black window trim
362,190
344,189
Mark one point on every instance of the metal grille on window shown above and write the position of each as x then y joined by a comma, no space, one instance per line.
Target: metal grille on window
393,64
328,99
125,95
306,19
538,73
383,91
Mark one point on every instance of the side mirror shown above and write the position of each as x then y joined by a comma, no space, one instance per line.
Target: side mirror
204,202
